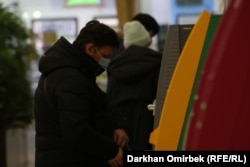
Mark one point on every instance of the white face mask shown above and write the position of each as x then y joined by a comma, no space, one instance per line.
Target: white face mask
104,62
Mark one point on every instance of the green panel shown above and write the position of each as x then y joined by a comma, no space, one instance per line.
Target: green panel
72,3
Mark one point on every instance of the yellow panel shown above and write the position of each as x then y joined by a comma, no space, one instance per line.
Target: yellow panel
166,135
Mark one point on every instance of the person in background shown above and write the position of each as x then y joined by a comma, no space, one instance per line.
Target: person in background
132,84
71,117
149,23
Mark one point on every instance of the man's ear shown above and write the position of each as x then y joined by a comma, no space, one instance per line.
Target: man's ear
90,49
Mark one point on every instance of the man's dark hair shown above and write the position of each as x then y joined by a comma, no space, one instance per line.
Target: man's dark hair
148,22
99,34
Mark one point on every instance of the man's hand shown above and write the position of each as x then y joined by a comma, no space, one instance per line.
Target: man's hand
117,161
121,137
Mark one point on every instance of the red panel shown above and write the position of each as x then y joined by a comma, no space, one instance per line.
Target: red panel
221,115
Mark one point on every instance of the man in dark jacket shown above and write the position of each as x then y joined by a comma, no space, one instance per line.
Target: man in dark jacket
132,84
70,109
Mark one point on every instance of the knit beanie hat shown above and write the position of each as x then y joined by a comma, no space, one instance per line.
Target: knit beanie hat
135,34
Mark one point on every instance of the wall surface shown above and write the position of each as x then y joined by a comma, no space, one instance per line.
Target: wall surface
57,9
20,147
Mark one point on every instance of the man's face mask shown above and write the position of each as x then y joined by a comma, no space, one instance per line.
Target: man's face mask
104,62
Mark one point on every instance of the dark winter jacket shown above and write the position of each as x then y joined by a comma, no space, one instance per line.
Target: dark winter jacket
70,112
132,84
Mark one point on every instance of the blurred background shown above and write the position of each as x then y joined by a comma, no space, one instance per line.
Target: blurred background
44,22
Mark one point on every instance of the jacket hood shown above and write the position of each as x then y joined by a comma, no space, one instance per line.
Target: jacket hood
134,63
65,55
